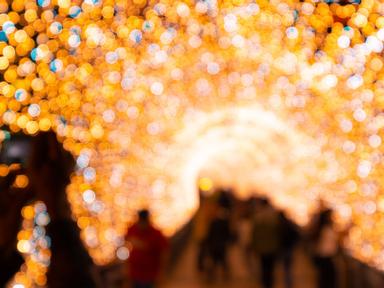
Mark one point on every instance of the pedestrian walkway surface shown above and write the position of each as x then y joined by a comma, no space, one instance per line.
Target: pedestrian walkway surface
185,274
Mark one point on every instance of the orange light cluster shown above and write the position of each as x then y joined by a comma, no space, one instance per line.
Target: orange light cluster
124,82
33,244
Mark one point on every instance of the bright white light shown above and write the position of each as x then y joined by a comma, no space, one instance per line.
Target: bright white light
201,7
157,88
329,81
307,8
83,160
89,174
122,253
292,32
182,10
253,8
34,110
359,115
374,44
380,34
111,57
230,23
109,116
364,169
216,144
74,41
355,81
349,147
374,141
89,196
213,68
343,41
238,41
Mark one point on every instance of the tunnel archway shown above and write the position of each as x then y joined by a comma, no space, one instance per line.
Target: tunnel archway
250,150
195,64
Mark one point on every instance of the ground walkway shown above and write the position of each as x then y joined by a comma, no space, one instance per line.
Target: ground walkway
185,274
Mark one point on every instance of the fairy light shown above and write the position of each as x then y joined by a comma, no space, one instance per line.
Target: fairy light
125,80
34,245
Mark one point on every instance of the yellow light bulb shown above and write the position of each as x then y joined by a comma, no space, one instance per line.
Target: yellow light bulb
4,63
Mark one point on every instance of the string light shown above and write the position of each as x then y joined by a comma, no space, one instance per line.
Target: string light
123,80
33,244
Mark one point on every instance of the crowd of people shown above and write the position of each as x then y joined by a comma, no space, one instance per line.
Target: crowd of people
266,237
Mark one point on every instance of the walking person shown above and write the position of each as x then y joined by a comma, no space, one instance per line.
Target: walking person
289,237
49,170
218,239
325,249
266,240
201,225
149,249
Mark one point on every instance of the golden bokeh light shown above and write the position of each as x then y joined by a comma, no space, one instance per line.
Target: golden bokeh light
132,88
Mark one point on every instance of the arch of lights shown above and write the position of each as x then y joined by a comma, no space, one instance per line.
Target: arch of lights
119,82
237,147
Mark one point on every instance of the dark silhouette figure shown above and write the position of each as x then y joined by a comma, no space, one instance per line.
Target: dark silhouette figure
289,237
325,248
219,237
225,199
147,257
266,240
49,171
200,229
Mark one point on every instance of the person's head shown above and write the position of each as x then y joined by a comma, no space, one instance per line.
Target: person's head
143,216
326,217
224,199
46,149
264,202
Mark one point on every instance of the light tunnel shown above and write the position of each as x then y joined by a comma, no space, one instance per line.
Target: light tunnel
286,90
250,150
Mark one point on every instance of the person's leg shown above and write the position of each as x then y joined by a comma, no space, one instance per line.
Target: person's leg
287,263
222,257
211,266
201,256
318,261
224,262
267,270
326,277
329,273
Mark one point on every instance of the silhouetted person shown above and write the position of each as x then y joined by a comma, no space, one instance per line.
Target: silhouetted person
49,172
225,199
147,257
244,232
219,237
289,237
200,230
325,248
266,240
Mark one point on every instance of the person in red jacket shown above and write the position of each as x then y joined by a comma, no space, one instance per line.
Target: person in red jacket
147,256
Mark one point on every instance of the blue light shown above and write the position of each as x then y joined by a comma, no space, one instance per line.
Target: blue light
74,11
3,37
43,3
56,65
34,54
